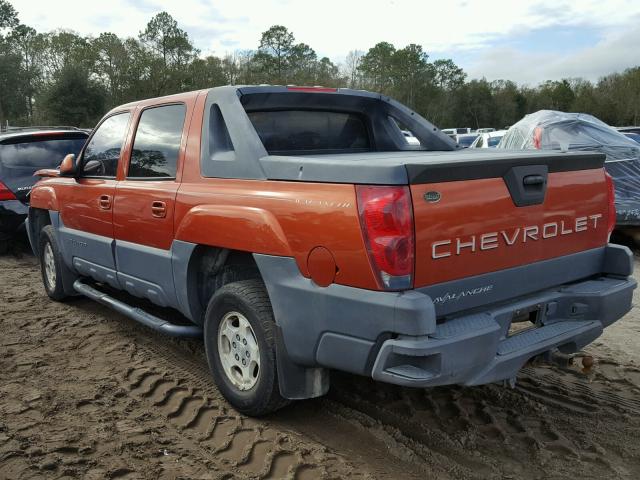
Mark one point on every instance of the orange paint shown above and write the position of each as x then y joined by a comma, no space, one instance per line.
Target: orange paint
276,218
80,204
470,209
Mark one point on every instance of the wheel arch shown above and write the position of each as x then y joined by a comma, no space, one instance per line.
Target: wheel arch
208,269
37,220
44,197
234,227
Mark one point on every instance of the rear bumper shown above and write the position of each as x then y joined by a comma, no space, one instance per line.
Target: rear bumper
628,213
474,349
12,216
406,338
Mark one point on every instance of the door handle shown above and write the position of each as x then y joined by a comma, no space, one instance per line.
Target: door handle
159,209
105,202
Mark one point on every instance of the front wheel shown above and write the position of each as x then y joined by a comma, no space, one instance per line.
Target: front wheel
239,336
51,264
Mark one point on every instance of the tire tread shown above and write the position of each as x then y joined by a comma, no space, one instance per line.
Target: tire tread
47,234
254,293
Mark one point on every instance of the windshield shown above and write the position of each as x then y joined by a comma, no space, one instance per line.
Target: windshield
494,141
466,141
46,152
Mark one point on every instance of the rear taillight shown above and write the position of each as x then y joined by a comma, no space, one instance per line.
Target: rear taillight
537,138
611,197
386,218
5,193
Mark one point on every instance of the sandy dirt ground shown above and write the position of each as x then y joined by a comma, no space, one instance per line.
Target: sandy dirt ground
87,393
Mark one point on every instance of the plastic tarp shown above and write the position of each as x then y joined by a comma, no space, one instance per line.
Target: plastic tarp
552,130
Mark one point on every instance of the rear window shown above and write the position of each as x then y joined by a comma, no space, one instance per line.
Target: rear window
300,131
45,152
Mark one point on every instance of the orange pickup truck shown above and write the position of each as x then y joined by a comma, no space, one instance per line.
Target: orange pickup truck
299,231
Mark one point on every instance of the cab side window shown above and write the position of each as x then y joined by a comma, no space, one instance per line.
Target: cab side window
101,155
157,142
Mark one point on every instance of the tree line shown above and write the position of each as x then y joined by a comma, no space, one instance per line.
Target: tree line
64,78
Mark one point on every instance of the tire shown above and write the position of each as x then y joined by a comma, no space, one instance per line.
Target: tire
6,242
243,302
51,265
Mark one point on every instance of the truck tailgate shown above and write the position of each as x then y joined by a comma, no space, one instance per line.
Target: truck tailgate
467,221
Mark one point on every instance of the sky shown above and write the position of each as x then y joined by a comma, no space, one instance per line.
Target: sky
525,41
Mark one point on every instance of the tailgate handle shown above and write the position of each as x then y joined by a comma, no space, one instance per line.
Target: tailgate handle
531,180
527,184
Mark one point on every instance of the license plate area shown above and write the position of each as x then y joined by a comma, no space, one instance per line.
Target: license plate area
524,320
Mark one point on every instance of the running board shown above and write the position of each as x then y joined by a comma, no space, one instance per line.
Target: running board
138,314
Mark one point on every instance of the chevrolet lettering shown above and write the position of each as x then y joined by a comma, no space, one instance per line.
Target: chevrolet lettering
503,238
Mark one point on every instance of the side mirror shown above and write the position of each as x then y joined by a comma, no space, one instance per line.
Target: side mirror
68,166
93,167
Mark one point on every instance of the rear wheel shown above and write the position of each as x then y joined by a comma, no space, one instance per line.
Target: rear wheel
240,344
51,264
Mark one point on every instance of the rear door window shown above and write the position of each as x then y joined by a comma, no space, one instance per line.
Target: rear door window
310,131
157,142
103,151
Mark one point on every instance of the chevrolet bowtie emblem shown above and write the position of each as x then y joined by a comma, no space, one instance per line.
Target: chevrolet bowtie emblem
432,197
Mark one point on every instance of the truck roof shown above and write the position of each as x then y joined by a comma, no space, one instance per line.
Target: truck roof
239,90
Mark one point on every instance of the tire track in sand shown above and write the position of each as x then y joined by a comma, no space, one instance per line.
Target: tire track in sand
550,424
181,390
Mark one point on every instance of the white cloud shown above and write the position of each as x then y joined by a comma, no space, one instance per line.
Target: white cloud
617,51
334,27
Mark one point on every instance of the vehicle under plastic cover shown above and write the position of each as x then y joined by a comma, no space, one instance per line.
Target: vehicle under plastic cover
553,130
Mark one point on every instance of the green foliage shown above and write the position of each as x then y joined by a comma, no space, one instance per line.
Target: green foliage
112,65
206,73
279,60
8,15
62,77
30,45
12,104
169,53
275,52
73,98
